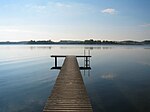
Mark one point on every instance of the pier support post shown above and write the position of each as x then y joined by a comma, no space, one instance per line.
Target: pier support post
86,62
55,62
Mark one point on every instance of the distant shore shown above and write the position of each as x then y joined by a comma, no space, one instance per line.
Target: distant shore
85,42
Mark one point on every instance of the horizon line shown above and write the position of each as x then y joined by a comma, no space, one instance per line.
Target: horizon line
73,40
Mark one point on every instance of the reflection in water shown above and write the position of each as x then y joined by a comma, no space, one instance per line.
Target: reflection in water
99,47
147,48
39,47
119,80
109,76
89,47
144,63
87,73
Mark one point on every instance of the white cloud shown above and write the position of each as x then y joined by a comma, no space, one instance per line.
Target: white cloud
145,25
55,8
109,11
21,29
58,4
16,31
10,33
49,7
37,8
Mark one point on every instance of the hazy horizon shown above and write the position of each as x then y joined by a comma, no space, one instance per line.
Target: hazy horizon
74,20
72,40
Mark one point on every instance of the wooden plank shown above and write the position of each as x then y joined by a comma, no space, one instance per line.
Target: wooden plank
83,56
81,68
63,56
69,92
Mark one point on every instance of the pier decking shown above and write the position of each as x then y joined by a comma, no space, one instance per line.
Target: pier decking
69,93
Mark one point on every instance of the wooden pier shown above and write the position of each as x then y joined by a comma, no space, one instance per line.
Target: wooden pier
69,93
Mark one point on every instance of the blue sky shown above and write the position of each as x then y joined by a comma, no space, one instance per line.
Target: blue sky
74,20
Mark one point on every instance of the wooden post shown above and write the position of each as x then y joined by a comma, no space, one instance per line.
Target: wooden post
86,62
56,61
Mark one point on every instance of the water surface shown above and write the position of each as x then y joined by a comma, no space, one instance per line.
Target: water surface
119,80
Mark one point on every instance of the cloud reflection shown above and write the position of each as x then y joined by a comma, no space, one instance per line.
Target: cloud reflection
109,76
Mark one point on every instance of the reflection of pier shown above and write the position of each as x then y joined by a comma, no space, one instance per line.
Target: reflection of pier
69,93
86,62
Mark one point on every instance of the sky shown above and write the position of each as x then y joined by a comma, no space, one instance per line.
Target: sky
55,20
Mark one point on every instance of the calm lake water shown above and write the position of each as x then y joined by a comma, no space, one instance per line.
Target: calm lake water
119,80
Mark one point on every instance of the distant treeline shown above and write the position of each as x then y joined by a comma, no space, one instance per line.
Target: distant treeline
91,41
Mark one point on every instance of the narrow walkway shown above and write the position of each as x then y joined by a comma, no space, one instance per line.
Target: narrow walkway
69,93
